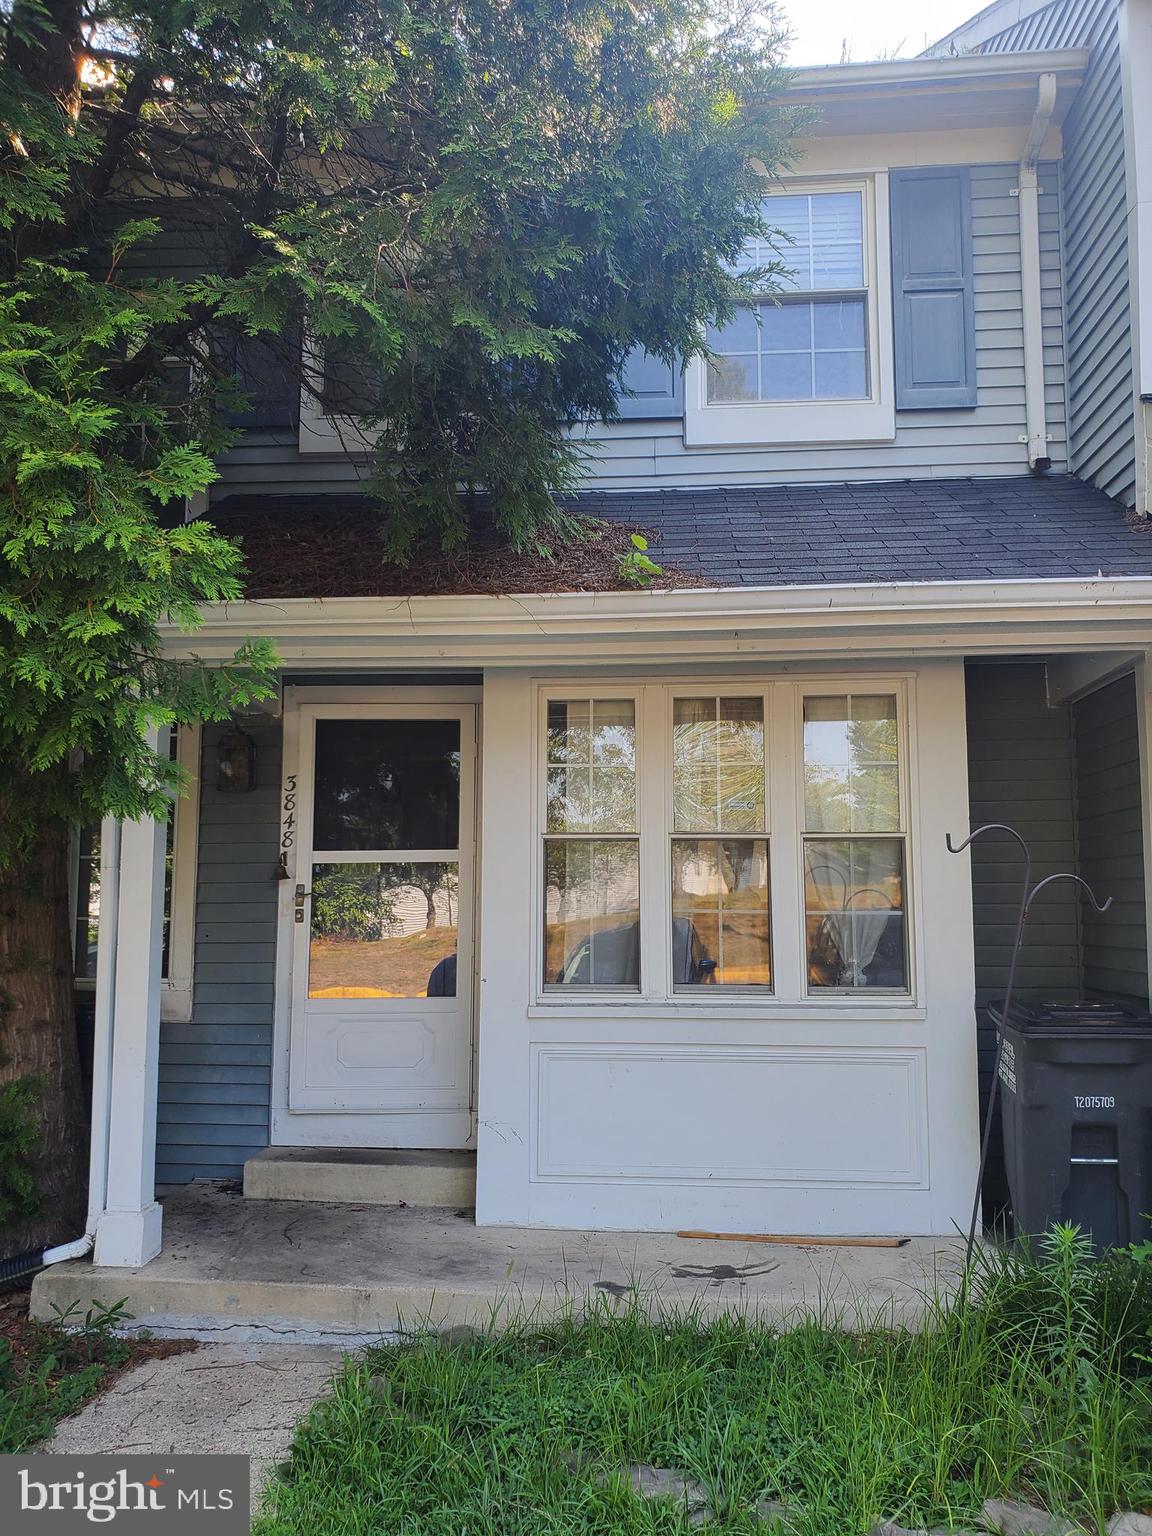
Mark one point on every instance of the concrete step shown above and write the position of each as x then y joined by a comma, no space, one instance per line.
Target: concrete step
362,1175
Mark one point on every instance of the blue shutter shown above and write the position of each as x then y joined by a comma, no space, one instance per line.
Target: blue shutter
933,315
655,388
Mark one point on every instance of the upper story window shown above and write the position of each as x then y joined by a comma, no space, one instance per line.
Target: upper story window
812,363
814,344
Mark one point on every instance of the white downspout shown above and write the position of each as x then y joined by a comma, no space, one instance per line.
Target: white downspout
101,1045
1028,193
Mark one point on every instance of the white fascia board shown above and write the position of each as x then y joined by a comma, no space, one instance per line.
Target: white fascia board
915,618
955,72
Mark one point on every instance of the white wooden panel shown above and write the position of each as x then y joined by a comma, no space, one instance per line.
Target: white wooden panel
702,1114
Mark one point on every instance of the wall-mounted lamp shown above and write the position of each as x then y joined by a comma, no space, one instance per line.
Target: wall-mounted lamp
236,762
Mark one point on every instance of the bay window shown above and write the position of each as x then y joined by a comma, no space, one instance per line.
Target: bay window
661,872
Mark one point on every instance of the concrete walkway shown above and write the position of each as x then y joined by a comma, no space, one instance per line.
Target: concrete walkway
243,1399
241,1268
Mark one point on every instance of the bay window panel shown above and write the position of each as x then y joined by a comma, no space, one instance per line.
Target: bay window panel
591,912
721,919
851,763
718,764
854,913
591,780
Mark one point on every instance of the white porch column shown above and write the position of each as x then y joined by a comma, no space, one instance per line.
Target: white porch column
128,1232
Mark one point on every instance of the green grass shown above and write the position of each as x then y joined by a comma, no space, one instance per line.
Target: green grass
1041,1388
47,1371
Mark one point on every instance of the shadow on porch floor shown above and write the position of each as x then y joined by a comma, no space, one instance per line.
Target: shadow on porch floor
232,1267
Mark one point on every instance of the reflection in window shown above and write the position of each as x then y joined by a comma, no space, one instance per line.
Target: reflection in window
853,885
721,931
854,912
851,763
87,904
384,930
384,785
591,765
591,912
718,765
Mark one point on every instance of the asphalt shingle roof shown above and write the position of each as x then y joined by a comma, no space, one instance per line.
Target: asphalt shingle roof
1019,528
909,530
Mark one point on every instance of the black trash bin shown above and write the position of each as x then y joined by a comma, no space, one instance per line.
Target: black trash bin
1076,1091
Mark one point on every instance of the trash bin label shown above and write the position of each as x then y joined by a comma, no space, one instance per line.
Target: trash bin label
1094,1100
1008,1064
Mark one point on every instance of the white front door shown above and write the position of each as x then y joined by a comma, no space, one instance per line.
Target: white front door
381,1015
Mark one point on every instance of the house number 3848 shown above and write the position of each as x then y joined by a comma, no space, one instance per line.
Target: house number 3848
288,824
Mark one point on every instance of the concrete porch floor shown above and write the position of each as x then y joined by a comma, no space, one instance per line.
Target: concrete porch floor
245,1268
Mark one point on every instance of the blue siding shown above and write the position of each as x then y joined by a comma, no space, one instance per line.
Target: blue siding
641,454
215,1071
1111,839
1101,430
1020,771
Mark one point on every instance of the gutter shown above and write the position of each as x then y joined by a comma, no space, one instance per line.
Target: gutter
960,69
1036,436
34,1259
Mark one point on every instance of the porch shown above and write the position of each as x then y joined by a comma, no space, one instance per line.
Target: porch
743,991
250,1267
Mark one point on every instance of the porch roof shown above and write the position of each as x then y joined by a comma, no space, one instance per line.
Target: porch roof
1021,528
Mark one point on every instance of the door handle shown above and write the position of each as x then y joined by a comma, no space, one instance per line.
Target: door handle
300,896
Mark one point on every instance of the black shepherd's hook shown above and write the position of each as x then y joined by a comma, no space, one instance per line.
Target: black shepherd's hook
1027,895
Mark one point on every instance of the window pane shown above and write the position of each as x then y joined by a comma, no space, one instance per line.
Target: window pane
383,930
786,376
824,244
841,376
387,784
838,324
854,905
739,335
851,772
591,913
591,784
786,327
88,901
718,765
732,378
837,240
721,933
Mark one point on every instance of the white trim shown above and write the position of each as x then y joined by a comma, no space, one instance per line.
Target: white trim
320,431
128,1232
930,70
905,619
722,424
176,985
357,1125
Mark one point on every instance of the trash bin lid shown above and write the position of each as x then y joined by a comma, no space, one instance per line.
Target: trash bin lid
1077,1014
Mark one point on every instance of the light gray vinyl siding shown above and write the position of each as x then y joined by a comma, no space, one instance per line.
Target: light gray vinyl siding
1101,433
1111,844
215,1070
1020,766
636,454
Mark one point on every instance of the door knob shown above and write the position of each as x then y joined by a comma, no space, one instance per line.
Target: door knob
300,896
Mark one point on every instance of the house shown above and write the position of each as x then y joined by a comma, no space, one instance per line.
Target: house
642,898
